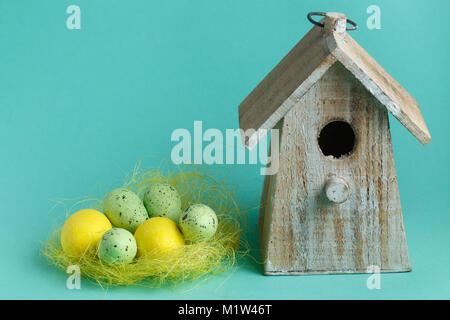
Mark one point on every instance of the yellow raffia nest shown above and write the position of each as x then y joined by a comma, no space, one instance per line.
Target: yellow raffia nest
194,261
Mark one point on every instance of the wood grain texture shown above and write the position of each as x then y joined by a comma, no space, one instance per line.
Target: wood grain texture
381,84
297,71
301,231
306,63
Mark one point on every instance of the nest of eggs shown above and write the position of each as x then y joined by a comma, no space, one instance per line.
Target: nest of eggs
189,262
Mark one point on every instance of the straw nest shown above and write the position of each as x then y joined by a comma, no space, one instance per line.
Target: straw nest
192,261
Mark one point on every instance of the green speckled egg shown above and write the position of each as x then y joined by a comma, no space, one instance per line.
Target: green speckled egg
198,223
124,209
163,200
117,246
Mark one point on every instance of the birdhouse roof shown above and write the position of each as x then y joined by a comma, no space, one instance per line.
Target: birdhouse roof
306,63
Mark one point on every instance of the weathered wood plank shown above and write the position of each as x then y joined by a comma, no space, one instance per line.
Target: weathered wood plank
382,85
266,203
297,71
306,63
301,231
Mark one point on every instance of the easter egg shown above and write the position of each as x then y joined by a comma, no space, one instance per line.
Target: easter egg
198,223
163,200
157,236
82,231
117,246
124,208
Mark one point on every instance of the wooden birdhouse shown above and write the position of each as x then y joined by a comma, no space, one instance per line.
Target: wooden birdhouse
334,205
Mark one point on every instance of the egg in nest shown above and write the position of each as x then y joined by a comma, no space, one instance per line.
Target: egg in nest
198,223
117,246
82,231
158,236
125,209
163,200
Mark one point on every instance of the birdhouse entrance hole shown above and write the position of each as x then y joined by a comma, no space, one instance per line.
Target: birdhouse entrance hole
337,139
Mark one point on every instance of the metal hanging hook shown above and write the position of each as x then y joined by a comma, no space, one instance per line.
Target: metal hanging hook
323,14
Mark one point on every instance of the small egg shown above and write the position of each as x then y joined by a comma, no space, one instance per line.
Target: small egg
124,208
198,223
163,200
82,231
158,235
117,246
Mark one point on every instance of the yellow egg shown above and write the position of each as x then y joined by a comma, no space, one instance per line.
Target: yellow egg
158,235
82,231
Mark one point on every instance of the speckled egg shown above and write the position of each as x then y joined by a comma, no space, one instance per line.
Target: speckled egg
117,246
198,223
163,200
124,209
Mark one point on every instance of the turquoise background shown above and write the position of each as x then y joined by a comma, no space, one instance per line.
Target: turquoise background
78,108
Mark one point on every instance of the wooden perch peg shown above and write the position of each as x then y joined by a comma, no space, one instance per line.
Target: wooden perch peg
337,190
